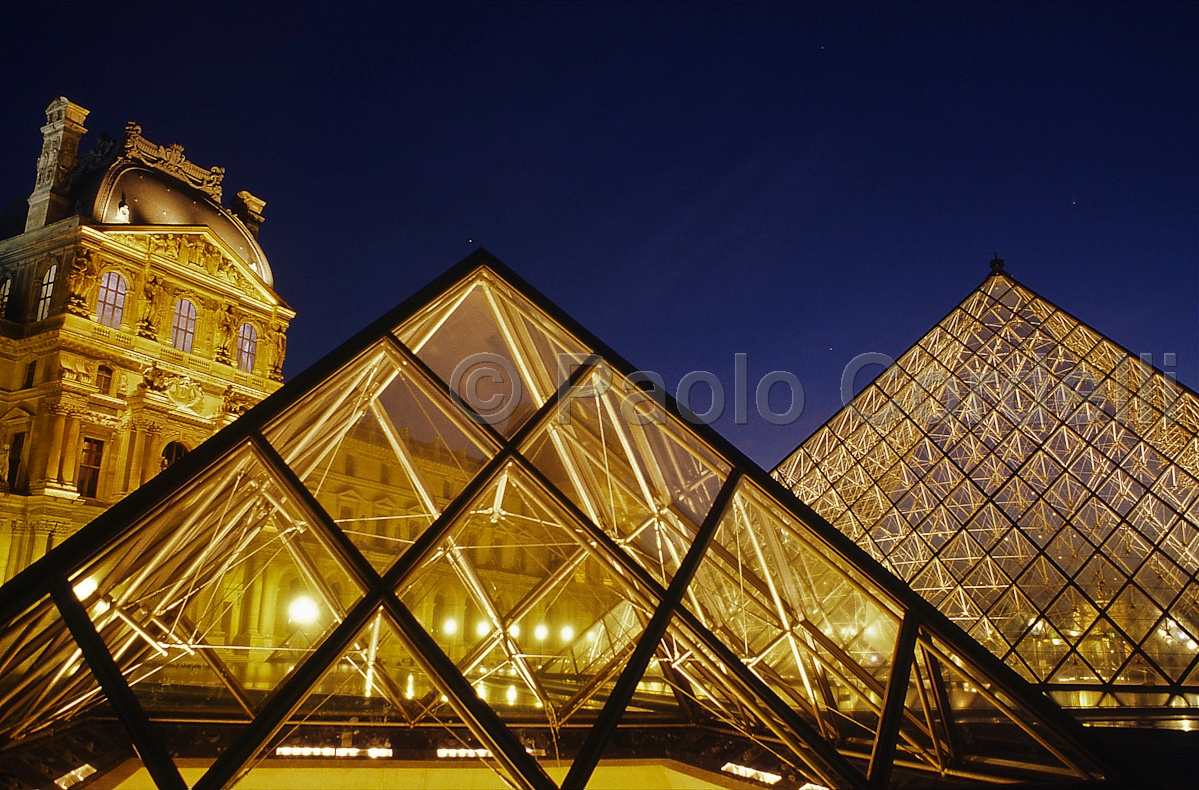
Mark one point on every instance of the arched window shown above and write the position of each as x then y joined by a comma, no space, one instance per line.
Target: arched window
5,290
172,453
104,379
46,293
183,327
247,347
111,304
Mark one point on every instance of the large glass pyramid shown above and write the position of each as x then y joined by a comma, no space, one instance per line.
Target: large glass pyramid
467,537
1037,483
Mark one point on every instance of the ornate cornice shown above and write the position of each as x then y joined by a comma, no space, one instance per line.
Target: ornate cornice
170,160
134,148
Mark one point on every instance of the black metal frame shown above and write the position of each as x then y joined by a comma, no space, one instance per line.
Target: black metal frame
49,575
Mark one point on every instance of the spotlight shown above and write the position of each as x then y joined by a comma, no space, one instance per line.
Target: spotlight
303,610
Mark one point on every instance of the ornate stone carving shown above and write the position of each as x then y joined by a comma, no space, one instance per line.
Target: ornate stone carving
81,280
155,379
181,390
165,244
235,403
152,292
170,159
73,368
277,342
226,328
99,156
185,393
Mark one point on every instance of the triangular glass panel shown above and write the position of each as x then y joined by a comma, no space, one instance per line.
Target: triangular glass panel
376,702
988,725
499,353
376,680
631,468
721,699
516,596
224,589
44,680
387,472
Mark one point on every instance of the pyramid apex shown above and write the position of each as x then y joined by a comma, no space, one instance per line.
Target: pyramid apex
997,264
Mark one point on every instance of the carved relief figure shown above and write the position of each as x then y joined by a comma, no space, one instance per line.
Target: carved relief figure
47,163
226,326
154,379
235,403
166,245
80,281
151,298
277,341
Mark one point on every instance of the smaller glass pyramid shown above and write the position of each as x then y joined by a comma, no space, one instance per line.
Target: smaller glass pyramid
1037,483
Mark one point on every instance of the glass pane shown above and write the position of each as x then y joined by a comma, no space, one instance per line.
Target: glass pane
499,353
223,589
43,677
518,600
987,724
387,459
699,675
640,476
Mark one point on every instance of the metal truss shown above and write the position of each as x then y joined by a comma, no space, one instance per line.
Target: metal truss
1038,483
363,547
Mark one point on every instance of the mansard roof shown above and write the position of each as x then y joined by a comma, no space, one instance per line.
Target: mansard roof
1037,482
571,570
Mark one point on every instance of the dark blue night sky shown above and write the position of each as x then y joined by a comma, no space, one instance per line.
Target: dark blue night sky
801,183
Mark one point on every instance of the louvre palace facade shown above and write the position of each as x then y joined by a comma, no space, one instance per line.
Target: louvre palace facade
137,318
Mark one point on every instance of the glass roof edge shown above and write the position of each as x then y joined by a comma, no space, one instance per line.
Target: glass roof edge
915,344
932,620
1155,373
24,589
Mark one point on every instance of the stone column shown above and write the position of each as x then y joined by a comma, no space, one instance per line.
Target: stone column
54,458
270,604
70,452
133,476
150,465
253,594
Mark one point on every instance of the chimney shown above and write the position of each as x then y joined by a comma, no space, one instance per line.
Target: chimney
60,145
248,209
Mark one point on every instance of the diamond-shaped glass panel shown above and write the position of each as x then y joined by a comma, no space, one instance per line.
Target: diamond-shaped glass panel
630,468
499,353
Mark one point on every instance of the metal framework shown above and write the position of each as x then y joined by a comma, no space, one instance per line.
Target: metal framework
1036,482
525,585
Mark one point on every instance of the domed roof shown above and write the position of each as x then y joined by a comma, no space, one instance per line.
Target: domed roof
157,198
133,181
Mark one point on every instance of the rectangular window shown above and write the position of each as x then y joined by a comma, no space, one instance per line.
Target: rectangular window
30,372
15,449
89,467
104,380
46,294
